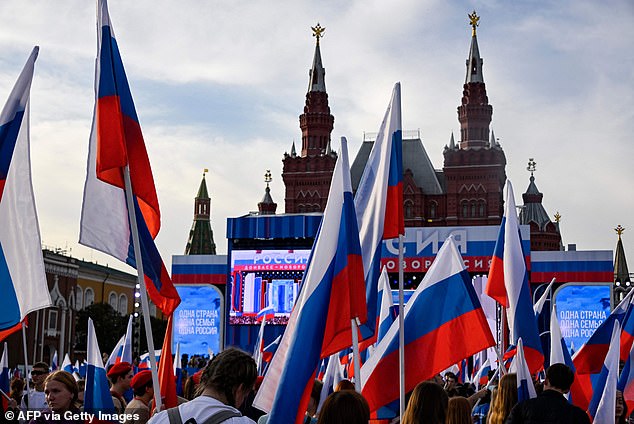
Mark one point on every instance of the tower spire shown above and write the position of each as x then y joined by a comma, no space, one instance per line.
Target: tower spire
474,62
201,236
475,112
621,272
316,122
267,206
317,73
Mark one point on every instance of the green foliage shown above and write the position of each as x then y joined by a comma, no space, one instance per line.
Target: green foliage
109,326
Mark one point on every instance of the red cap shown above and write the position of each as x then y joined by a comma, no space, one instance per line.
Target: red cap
119,368
140,379
197,375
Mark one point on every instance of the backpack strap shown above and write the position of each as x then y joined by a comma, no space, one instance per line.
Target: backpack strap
222,416
174,416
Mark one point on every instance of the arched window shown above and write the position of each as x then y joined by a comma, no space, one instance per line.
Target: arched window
465,209
89,297
433,206
473,209
123,304
409,213
482,207
112,300
79,296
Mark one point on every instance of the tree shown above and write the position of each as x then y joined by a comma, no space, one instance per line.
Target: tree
109,326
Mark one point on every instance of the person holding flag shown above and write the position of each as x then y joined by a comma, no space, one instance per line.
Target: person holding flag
227,381
550,406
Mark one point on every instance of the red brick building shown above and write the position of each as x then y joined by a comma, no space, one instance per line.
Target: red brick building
307,175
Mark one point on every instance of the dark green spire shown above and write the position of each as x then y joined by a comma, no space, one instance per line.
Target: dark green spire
201,236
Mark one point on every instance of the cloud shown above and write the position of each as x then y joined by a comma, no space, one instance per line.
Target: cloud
220,85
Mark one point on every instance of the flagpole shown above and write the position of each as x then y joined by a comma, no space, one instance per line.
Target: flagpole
26,361
401,329
500,347
143,291
356,355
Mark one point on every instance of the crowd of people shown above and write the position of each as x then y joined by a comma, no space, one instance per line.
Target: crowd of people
224,389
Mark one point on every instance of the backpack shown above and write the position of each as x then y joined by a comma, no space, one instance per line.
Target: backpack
174,416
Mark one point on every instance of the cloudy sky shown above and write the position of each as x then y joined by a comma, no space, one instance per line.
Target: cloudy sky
220,85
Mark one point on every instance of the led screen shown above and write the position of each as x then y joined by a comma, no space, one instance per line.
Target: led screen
581,308
197,323
264,278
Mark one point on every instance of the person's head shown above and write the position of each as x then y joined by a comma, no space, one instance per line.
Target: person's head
344,385
459,411
621,408
504,400
344,407
427,404
120,375
38,374
17,385
230,374
61,391
141,384
559,377
81,386
315,395
450,380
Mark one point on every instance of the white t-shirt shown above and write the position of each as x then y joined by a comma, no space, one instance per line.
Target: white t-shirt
200,409
37,400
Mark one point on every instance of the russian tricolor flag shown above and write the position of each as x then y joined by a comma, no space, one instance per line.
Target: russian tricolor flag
23,286
67,365
332,294
54,361
379,202
559,354
178,372
525,386
126,351
508,285
266,313
603,402
117,351
590,357
97,396
443,305
4,371
481,378
626,381
116,142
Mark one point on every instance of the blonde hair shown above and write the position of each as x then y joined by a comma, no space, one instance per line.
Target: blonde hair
505,399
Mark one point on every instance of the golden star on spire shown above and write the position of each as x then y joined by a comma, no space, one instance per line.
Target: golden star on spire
318,32
557,217
474,21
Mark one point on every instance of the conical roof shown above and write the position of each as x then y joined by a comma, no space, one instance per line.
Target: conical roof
621,273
